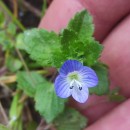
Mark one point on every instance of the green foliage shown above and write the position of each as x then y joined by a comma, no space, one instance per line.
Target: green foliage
29,82
5,41
13,64
75,42
87,51
7,34
3,127
82,25
41,45
15,113
20,42
92,53
47,102
11,29
103,86
70,120
49,49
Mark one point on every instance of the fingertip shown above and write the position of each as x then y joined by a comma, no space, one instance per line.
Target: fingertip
59,14
117,119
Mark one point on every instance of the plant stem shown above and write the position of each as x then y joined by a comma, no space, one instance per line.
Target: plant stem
44,7
14,19
15,8
15,112
31,8
22,59
12,78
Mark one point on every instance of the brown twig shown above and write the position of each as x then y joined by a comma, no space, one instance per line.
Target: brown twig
22,59
12,78
15,8
31,8
8,79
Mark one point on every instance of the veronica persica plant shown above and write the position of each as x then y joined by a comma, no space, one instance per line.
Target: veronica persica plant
75,79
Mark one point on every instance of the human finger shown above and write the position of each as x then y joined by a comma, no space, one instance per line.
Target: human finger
117,119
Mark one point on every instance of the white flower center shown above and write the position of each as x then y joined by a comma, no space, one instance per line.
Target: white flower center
74,80
75,83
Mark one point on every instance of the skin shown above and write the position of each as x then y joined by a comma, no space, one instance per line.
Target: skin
112,29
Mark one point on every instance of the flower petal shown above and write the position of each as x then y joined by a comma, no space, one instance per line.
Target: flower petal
88,77
80,95
62,87
70,66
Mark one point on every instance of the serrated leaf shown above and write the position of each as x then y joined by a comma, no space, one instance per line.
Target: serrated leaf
47,103
2,127
92,53
41,44
70,120
29,81
82,25
73,48
103,86
78,42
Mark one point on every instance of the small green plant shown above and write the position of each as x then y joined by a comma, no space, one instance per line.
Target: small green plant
27,51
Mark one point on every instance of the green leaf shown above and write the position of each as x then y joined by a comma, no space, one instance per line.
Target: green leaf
70,120
103,86
20,41
41,44
29,81
13,64
47,103
77,40
72,48
2,127
92,52
82,25
5,41
11,29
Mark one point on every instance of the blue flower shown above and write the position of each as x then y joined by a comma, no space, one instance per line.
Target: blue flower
75,79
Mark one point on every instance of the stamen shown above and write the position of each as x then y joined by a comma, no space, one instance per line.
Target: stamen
71,87
80,88
75,83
